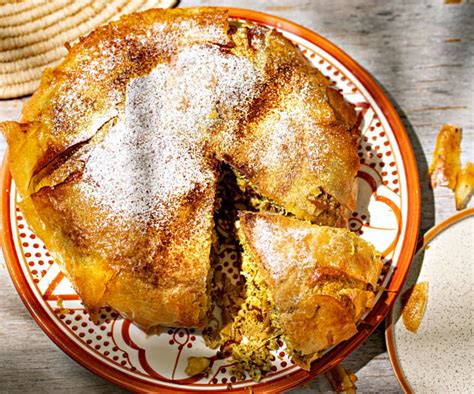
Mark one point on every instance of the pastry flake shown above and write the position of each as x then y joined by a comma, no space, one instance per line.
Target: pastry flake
464,186
414,302
446,162
342,380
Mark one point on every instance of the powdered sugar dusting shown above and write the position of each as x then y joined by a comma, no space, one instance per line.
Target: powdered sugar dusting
271,242
280,142
289,130
154,155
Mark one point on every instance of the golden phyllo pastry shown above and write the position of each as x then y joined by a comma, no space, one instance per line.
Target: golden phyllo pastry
315,281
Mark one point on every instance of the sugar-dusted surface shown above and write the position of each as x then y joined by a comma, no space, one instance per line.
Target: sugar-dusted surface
386,38
270,239
155,153
150,185
287,247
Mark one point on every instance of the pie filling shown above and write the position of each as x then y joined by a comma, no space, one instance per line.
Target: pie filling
326,210
239,324
253,335
255,199
243,322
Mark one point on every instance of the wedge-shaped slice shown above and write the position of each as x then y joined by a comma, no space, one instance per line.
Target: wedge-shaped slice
320,280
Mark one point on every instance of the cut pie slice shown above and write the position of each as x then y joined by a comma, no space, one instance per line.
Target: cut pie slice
316,281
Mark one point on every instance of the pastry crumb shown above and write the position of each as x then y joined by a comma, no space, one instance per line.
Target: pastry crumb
446,162
198,366
464,186
414,302
342,380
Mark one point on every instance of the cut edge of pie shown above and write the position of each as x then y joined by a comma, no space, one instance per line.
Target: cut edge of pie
305,283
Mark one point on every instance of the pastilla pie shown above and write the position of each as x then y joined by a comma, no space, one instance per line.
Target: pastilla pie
118,155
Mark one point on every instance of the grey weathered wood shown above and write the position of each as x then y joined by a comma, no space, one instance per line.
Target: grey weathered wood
422,54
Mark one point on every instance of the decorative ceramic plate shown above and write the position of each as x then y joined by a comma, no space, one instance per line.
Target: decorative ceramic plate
387,215
438,358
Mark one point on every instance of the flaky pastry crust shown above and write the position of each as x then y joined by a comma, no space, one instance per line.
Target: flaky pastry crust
156,270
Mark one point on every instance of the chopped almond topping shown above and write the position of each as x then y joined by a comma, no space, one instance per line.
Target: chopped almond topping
446,162
414,305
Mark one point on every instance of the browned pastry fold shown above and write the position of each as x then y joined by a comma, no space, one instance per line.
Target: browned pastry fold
320,280
117,154
298,144
150,275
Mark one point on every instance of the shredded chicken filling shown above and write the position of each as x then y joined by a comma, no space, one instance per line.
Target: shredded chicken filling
241,323
327,210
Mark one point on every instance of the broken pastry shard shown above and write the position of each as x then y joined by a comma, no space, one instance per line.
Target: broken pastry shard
446,161
342,380
197,366
464,186
414,302
320,280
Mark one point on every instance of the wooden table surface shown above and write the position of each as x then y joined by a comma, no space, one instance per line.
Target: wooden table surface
421,52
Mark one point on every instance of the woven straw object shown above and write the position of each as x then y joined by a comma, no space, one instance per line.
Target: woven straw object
33,34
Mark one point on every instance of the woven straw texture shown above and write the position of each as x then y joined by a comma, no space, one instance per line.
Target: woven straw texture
33,34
